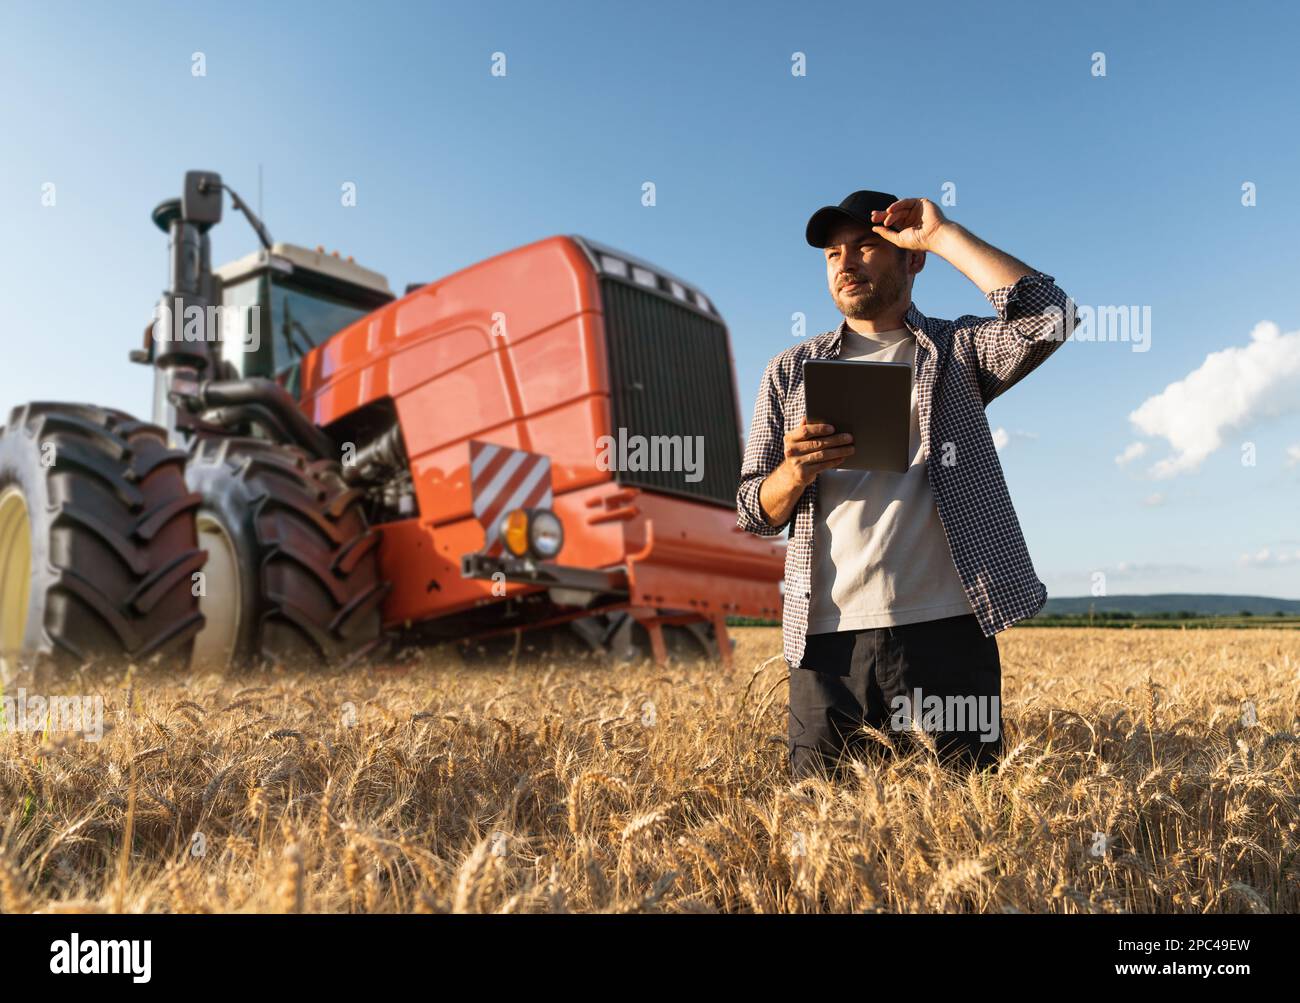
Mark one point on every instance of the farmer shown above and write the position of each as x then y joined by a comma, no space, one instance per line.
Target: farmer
895,584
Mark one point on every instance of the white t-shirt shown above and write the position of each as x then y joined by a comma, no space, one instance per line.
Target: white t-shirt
880,556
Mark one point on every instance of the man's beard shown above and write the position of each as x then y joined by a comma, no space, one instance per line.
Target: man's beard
872,298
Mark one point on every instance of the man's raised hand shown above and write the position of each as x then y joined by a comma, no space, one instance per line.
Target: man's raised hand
910,223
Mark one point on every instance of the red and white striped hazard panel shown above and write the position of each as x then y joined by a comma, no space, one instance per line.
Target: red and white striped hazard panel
504,479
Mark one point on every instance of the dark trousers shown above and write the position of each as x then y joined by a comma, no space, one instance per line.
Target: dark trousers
944,675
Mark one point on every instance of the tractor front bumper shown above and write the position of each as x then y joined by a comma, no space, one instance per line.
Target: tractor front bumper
524,571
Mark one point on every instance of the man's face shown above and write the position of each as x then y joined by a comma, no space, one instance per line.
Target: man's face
867,275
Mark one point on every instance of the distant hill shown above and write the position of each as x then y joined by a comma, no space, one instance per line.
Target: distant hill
1201,605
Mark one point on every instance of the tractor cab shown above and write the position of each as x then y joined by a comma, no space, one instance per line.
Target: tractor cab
290,300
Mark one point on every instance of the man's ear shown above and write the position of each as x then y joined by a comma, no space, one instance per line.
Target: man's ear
915,261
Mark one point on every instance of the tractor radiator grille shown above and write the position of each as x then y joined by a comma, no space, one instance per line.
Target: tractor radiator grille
670,375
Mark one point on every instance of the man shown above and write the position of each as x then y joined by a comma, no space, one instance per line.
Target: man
895,584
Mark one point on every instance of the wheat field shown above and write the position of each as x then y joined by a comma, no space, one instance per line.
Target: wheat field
1143,771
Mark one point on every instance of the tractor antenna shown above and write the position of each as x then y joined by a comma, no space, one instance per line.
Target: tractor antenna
206,185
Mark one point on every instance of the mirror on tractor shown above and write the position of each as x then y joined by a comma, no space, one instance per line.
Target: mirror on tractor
201,199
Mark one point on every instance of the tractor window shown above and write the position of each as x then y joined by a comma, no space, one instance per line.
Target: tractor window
300,321
243,346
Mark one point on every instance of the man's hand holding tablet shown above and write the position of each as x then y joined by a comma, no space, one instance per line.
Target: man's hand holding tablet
809,450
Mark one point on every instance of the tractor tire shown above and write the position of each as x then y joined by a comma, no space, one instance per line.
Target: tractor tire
293,577
97,542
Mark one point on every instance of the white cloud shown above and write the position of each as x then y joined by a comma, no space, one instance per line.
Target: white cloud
1142,569
1293,455
1002,438
1127,576
1154,500
1131,452
1266,558
1231,390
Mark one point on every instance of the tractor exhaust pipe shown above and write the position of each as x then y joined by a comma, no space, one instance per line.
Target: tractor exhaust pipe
179,361
191,287
245,398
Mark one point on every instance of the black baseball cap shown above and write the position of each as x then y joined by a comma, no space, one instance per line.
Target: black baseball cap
857,208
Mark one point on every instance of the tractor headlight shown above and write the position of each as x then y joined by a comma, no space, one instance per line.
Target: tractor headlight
545,533
535,532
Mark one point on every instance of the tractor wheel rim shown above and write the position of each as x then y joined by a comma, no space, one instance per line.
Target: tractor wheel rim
15,574
220,602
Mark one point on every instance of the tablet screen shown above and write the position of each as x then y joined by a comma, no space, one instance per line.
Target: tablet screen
872,401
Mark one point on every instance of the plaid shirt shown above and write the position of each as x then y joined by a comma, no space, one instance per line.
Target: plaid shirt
961,365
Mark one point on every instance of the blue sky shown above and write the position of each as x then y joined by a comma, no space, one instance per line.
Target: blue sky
1127,188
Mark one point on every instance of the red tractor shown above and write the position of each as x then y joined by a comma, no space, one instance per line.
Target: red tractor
542,448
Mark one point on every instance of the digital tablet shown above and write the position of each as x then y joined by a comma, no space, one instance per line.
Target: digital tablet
872,401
